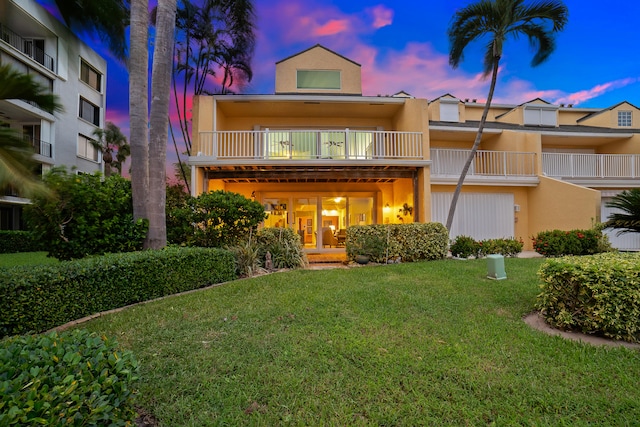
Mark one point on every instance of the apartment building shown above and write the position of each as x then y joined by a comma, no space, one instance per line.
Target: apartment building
35,42
320,157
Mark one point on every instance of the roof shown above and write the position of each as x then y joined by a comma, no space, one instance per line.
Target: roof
561,128
588,116
321,47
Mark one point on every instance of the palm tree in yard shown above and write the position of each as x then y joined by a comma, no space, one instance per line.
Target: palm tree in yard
493,21
113,145
628,219
16,155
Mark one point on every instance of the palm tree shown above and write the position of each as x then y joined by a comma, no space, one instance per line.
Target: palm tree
111,140
16,155
496,20
107,18
627,221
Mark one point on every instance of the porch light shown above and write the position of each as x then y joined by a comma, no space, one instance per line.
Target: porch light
387,208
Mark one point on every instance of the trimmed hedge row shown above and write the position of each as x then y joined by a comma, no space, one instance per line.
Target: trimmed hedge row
35,299
13,241
409,242
598,294
73,378
465,246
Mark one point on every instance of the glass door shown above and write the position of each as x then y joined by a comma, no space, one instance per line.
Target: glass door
305,212
334,221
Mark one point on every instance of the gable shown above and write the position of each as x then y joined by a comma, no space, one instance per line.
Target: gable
621,116
318,70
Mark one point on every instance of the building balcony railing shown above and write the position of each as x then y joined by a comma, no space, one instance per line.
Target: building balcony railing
27,47
40,147
311,145
576,165
449,162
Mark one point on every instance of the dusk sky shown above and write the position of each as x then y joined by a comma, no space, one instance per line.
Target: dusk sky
402,45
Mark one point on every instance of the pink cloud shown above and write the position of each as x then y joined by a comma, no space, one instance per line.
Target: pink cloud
587,94
381,15
332,27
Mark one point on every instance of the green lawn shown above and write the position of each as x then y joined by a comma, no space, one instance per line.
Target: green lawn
432,343
26,258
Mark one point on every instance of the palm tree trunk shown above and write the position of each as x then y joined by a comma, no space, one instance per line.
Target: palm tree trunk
138,106
159,122
476,144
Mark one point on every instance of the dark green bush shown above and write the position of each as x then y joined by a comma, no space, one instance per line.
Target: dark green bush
85,215
464,247
35,299
598,294
409,242
284,245
73,378
575,242
18,241
215,219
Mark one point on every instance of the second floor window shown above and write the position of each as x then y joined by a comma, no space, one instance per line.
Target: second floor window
624,118
90,76
318,79
89,112
86,149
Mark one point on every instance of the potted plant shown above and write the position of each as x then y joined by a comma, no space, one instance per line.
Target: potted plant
366,247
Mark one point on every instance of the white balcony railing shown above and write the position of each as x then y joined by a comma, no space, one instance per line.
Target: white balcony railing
311,144
449,162
576,165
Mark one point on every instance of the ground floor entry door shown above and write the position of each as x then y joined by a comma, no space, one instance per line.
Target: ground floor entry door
320,219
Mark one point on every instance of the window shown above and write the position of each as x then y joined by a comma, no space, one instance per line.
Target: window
539,116
89,112
318,79
449,111
86,149
624,118
90,76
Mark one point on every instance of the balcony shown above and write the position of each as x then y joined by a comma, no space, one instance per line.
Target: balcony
27,47
514,167
591,169
310,145
39,147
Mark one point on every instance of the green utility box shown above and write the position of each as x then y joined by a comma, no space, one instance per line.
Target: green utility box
495,265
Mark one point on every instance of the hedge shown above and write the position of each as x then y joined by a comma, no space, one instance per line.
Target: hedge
38,298
72,378
407,242
13,241
597,294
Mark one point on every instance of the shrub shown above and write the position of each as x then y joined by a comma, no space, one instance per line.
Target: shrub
18,241
598,294
464,247
247,258
506,247
574,242
35,299
72,378
409,242
86,215
214,219
284,245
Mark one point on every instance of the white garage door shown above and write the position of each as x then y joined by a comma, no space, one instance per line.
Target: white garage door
479,215
624,242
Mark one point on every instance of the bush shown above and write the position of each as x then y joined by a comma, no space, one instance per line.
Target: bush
18,241
598,294
409,242
87,215
73,378
284,245
574,242
464,247
506,247
35,299
215,219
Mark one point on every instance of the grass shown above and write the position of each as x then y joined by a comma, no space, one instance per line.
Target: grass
26,258
431,343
